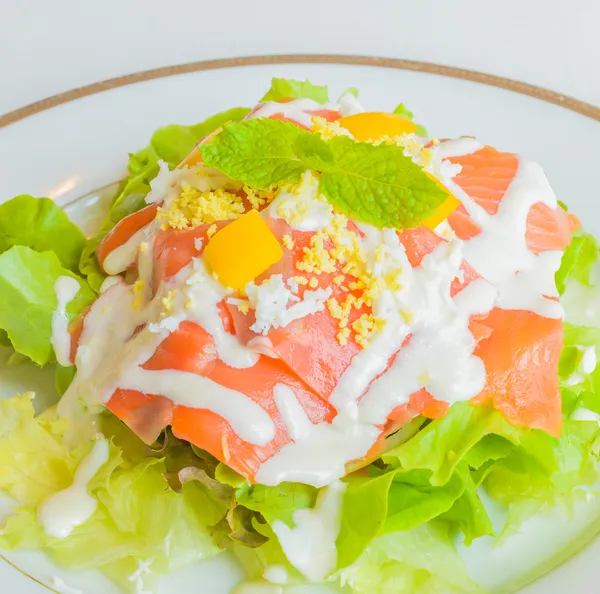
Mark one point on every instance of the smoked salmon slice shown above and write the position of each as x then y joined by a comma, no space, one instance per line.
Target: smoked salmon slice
192,349
485,177
521,357
124,230
520,349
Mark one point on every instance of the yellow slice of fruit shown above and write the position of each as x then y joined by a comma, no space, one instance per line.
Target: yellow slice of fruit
373,125
242,250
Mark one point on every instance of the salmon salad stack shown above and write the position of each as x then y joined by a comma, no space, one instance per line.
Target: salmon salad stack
309,334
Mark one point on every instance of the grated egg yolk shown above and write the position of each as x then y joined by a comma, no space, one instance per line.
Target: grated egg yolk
193,208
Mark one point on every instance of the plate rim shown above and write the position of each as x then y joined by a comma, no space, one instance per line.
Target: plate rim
537,92
519,87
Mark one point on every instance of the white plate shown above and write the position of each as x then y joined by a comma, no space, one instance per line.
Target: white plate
72,149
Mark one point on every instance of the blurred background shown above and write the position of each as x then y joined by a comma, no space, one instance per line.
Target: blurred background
47,47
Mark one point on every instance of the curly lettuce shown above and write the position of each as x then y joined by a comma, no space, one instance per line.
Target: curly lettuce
37,461
171,144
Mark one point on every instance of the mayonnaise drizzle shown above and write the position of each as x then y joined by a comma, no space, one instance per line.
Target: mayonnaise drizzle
122,257
248,419
63,511
202,297
303,206
310,545
318,453
500,253
66,289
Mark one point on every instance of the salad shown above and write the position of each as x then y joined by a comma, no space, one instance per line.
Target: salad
310,335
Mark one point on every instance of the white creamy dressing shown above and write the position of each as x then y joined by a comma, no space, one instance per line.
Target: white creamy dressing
122,257
110,281
310,544
248,419
202,295
311,210
439,355
586,365
63,511
66,289
137,577
271,303
585,414
276,574
500,253
318,453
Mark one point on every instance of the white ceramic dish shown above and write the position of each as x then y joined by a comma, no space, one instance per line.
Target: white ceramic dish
72,149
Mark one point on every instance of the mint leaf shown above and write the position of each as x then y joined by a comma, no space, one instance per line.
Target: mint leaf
313,151
288,88
40,224
27,300
260,152
379,184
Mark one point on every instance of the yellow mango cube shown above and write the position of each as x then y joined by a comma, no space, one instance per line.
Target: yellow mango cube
242,250
374,125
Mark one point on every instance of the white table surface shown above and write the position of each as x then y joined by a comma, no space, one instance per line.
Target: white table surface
49,46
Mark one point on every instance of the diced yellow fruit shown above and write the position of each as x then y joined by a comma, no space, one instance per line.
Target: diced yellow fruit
443,211
195,156
376,124
242,250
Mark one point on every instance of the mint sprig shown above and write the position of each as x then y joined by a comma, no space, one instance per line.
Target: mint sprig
374,184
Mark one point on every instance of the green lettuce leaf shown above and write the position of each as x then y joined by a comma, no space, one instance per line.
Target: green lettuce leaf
420,561
287,88
137,519
27,300
577,261
442,444
38,223
170,144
